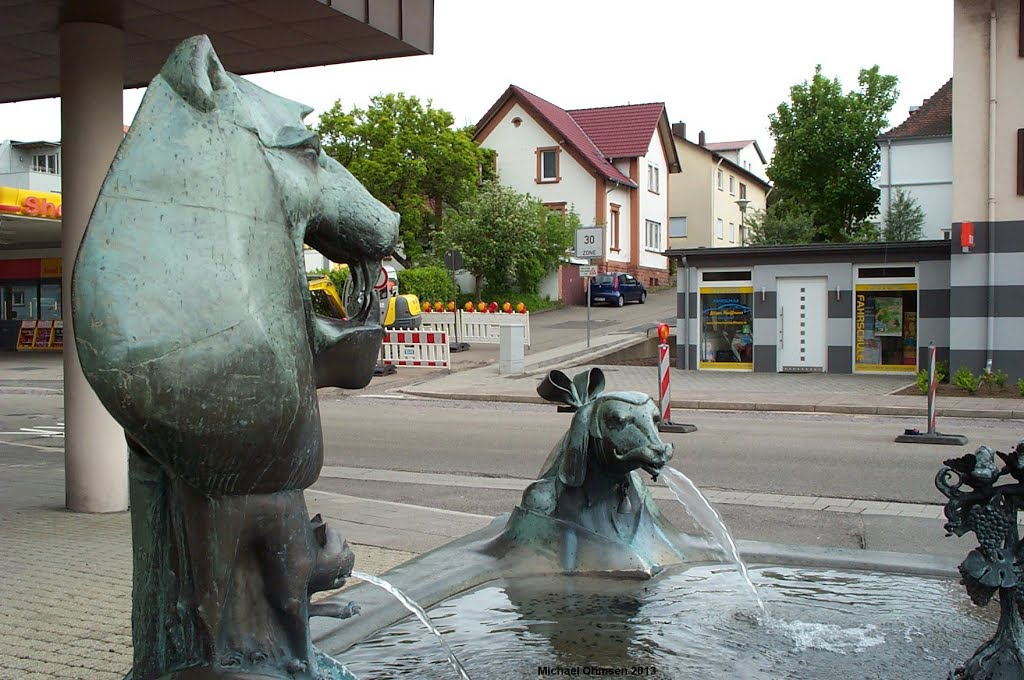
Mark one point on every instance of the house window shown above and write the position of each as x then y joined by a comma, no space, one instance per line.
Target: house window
732,232
613,225
743,190
720,179
557,208
720,228
677,227
653,236
653,178
732,185
547,164
46,162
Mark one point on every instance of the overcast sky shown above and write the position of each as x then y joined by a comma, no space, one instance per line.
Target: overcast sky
722,67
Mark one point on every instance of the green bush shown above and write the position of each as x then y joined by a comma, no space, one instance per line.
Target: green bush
1020,386
941,373
965,380
994,379
426,283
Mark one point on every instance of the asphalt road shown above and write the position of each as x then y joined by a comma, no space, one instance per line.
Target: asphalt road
794,454
845,456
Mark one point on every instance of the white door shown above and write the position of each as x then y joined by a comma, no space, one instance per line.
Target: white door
802,316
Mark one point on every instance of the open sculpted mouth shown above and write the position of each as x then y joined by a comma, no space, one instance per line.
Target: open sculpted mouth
345,351
649,459
361,299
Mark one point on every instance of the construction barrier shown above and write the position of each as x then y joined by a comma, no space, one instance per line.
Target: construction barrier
479,327
423,349
441,322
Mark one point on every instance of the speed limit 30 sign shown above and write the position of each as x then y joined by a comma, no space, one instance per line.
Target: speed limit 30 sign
590,242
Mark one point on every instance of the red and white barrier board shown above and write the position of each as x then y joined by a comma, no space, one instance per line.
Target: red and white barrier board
415,349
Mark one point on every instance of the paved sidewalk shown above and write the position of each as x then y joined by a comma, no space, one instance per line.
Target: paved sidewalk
67,577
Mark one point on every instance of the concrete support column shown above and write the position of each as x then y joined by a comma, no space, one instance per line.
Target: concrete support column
91,83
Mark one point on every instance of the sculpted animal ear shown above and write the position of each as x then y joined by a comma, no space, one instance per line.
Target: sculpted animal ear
195,71
574,457
589,384
557,387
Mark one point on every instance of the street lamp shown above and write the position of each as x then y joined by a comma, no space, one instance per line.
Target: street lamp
743,203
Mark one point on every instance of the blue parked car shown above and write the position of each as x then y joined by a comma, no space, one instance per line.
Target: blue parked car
615,288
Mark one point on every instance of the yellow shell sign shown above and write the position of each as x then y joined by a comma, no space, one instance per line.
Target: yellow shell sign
30,203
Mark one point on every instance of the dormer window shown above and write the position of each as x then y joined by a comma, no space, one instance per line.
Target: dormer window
547,165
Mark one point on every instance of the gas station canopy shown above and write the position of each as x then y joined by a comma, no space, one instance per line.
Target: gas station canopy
250,36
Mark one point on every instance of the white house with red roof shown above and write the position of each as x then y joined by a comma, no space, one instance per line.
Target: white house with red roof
917,157
611,165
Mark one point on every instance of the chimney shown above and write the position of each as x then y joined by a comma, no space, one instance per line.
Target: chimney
679,130
702,139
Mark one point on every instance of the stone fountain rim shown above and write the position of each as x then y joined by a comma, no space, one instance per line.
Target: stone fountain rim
458,566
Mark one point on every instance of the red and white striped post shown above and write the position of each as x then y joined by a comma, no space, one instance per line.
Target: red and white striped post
932,436
931,388
664,376
665,387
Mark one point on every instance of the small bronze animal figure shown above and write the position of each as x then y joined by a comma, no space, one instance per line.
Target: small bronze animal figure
590,510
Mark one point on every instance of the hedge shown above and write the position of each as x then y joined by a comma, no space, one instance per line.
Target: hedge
426,283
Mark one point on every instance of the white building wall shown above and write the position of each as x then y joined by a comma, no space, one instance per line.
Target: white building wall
923,168
654,206
517,164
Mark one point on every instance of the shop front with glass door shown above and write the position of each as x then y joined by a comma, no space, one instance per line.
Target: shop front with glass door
885,320
726,321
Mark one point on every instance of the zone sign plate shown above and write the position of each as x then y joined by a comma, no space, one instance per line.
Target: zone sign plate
590,242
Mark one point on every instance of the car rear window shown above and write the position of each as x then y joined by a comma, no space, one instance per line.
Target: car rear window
604,278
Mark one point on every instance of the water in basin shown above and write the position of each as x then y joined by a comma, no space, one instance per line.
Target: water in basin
696,623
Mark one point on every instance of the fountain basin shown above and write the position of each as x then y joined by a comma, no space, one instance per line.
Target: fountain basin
834,612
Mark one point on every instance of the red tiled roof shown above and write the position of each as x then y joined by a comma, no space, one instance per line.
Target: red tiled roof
594,136
620,131
571,132
933,119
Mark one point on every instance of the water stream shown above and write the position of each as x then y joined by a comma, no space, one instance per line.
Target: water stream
708,518
420,614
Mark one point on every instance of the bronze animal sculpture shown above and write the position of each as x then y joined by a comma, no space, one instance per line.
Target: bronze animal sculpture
590,510
194,326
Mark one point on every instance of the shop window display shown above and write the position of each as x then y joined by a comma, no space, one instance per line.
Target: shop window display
886,328
727,323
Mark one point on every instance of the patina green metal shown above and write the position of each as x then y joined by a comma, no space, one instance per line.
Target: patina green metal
590,511
194,326
989,510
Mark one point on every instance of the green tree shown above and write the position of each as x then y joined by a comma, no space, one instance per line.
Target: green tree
779,226
508,238
904,221
410,157
825,154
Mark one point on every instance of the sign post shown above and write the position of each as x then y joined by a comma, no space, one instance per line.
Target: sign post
589,246
453,260
381,287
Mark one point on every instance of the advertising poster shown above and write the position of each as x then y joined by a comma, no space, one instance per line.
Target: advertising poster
889,316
